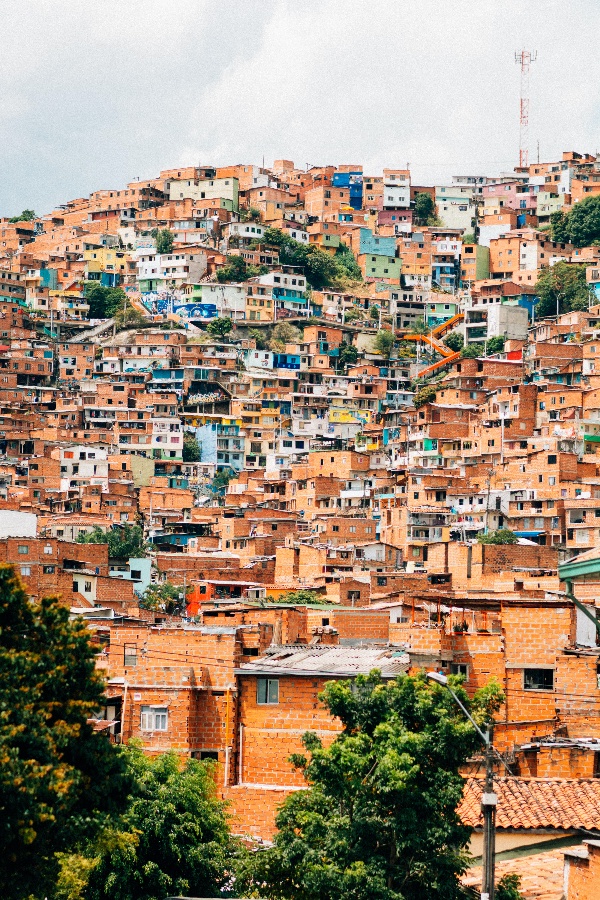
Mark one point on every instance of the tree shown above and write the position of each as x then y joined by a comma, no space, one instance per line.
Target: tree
508,888
321,269
561,286
580,226
59,780
103,301
558,227
286,333
191,448
426,394
378,819
496,344
28,215
259,337
384,342
220,327
352,314
472,351
424,209
124,542
347,265
174,837
303,598
419,326
501,536
128,317
235,269
221,480
469,238
348,355
454,341
165,597
164,241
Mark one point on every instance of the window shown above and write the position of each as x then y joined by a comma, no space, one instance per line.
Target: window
459,669
267,690
154,718
551,460
25,570
48,570
538,679
23,549
129,655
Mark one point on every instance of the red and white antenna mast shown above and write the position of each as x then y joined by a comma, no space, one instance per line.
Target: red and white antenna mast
524,58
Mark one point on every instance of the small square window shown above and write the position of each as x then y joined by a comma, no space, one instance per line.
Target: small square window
129,655
267,690
538,679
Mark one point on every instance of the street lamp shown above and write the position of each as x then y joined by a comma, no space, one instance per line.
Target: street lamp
489,799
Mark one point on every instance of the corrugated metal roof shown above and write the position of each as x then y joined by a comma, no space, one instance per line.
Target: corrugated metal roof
337,661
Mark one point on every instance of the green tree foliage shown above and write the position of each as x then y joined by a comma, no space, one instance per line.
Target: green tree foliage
378,820
346,261
472,351
164,241
59,780
220,327
321,269
563,284
260,336
127,317
165,597
28,215
580,226
123,543
236,269
500,536
426,394
419,326
425,213
384,342
104,302
352,314
286,333
496,344
303,598
347,356
173,840
469,238
454,341
221,480
191,448
508,888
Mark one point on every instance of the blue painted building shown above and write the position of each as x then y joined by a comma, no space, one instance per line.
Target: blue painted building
376,246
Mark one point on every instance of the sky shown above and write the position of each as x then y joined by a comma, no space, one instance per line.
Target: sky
95,94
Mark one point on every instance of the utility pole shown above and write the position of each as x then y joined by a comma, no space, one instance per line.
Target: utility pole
489,801
524,58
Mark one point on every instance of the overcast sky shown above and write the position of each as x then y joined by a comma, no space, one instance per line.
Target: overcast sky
94,94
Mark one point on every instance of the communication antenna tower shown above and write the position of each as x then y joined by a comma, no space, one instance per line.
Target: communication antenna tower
524,58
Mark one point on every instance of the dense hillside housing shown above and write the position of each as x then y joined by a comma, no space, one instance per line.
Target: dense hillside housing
353,437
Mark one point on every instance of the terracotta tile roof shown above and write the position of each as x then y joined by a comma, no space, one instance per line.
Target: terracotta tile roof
536,803
542,875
